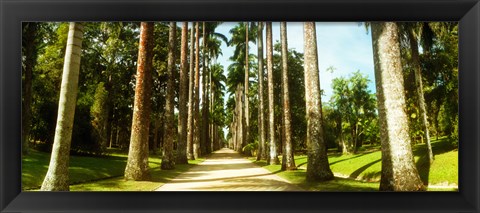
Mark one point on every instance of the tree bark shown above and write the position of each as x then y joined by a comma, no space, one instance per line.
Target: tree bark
137,163
317,167
57,178
271,113
205,147
398,168
168,161
287,136
182,108
247,107
262,152
191,101
420,95
196,135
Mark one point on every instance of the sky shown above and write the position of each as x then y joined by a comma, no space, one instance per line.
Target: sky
346,46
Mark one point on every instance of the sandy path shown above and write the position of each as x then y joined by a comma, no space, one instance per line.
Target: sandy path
226,170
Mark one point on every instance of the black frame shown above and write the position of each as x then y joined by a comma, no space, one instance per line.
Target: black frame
13,12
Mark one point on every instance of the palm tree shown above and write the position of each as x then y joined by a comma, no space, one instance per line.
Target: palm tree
411,29
196,135
204,129
247,109
317,166
57,178
191,101
271,114
137,163
262,151
238,71
182,108
398,168
288,161
168,161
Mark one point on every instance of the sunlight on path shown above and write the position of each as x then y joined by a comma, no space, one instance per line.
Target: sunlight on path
226,170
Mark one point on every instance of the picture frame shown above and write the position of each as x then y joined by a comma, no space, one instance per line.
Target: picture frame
12,199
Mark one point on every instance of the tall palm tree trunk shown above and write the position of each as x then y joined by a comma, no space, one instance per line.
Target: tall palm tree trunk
182,105
191,100
317,167
398,168
287,135
262,152
196,135
204,128
247,109
57,178
168,161
271,113
420,94
137,163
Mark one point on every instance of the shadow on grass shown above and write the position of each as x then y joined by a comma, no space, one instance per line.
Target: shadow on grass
359,171
423,167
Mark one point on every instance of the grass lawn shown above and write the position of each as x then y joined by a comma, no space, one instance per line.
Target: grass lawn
361,172
97,173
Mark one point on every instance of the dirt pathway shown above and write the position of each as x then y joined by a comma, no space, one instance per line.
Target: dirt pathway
226,170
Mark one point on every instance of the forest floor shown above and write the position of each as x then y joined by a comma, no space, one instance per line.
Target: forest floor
226,170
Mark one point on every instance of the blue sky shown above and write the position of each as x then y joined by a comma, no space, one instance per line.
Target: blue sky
345,46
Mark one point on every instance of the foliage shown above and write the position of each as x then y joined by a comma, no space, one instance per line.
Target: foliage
353,113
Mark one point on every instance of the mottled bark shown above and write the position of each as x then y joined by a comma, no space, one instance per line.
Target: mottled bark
262,150
30,42
317,166
168,161
204,129
239,133
196,124
182,105
398,168
57,177
191,101
420,95
246,84
287,130
273,159
137,163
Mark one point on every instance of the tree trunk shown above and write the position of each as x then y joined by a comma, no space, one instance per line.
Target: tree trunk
271,114
168,161
420,94
191,101
182,105
137,163
204,128
239,118
196,135
287,136
57,178
246,100
398,168
262,151
30,45
317,166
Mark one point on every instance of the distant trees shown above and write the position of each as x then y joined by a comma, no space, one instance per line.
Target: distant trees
57,178
355,110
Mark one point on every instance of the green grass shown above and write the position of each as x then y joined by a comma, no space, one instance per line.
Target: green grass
361,172
97,173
